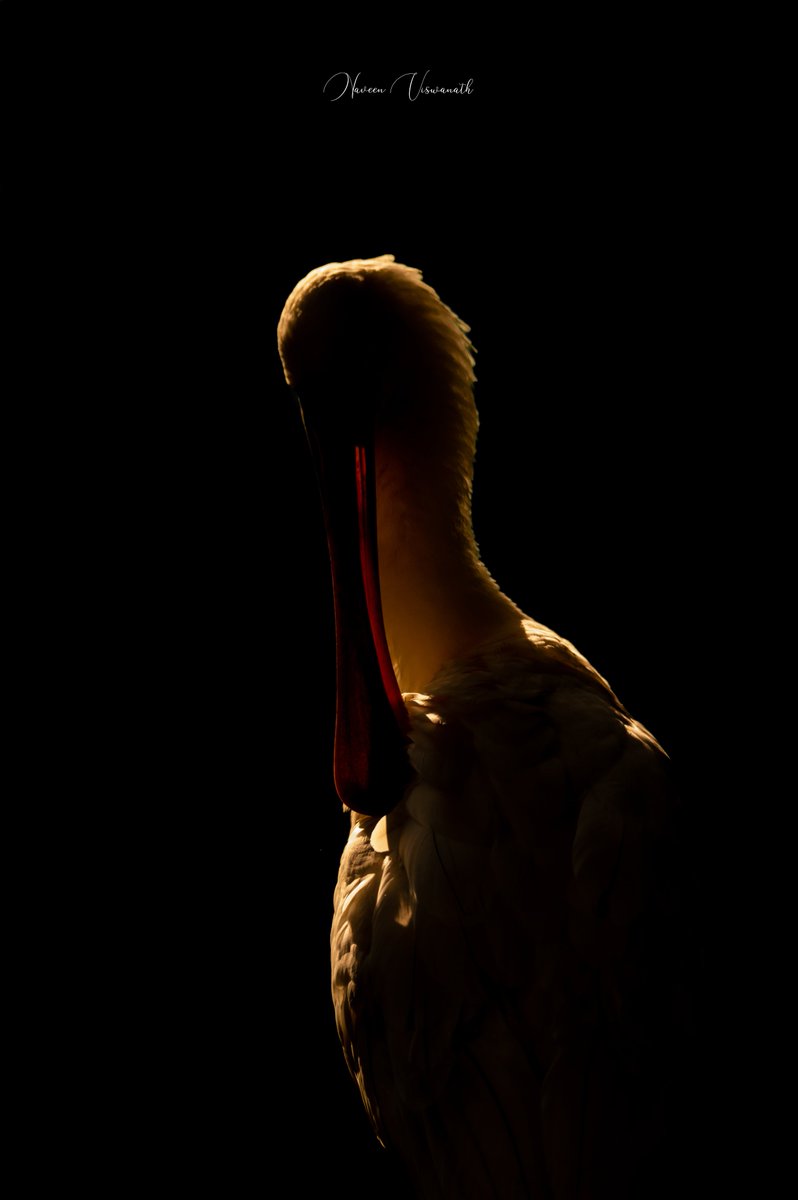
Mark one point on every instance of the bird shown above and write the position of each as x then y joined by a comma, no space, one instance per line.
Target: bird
510,950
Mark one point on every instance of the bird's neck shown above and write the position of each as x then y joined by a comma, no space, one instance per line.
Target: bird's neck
439,603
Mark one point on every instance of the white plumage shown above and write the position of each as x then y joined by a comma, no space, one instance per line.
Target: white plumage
508,964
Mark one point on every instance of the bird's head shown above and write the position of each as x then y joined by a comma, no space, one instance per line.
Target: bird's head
367,341
336,339
334,323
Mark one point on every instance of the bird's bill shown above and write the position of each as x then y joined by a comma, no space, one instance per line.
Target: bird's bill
371,767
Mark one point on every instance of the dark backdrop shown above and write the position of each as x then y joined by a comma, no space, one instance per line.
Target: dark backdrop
571,219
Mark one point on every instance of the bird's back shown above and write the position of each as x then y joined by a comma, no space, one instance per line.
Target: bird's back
508,943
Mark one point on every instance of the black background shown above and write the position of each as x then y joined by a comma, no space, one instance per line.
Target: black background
573,212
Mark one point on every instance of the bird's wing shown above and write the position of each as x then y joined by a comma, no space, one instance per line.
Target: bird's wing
505,952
